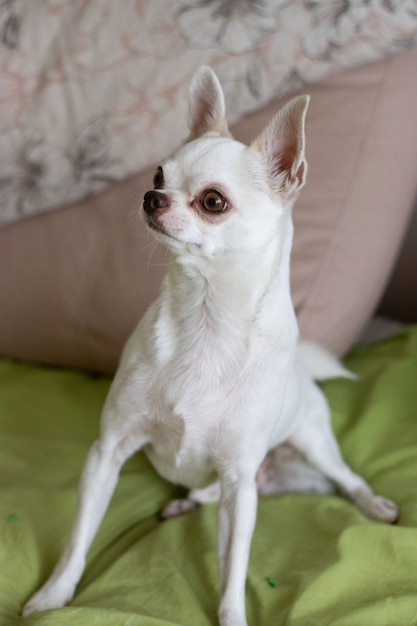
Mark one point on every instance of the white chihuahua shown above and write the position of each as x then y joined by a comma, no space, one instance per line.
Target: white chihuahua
211,382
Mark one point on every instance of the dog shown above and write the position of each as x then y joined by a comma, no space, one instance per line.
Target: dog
214,384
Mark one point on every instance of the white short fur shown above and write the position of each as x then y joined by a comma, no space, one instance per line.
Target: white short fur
209,384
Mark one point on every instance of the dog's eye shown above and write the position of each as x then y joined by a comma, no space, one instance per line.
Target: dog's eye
213,201
158,179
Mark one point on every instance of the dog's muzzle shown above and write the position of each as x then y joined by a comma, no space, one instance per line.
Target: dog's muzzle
155,204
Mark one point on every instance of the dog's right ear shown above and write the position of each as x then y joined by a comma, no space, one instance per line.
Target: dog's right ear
207,112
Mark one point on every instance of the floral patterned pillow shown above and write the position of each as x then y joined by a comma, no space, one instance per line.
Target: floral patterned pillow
92,91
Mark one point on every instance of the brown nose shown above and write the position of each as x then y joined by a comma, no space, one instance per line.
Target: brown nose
154,200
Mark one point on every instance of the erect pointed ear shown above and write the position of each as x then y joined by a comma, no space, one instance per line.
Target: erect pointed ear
206,105
282,144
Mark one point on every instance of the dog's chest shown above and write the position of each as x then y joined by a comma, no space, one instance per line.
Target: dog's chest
180,456
209,386
202,416
187,411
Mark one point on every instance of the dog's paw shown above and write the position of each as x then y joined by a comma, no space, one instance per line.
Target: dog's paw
48,597
178,507
231,615
380,508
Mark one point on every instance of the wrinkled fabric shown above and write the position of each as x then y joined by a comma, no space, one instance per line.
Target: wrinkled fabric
315,560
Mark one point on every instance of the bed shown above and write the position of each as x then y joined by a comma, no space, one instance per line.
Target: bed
314,560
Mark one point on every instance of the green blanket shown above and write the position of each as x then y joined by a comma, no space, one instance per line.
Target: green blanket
315,560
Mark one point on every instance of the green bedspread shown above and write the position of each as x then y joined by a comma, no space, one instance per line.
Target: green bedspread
315,560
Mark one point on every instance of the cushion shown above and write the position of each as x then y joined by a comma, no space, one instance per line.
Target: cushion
315,559
400,297
94,92
73,283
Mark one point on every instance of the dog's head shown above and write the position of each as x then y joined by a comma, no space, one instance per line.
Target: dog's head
216,196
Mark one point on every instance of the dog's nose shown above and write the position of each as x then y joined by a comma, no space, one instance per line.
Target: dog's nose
154,200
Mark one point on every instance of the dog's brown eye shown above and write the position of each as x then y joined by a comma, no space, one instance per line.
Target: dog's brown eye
158,179
213,201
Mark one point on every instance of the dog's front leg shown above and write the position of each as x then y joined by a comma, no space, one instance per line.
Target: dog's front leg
236,522
97,484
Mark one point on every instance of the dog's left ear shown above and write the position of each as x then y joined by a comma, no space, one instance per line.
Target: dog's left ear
282,144
206,105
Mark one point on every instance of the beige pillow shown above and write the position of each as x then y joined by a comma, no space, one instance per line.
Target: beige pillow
74,282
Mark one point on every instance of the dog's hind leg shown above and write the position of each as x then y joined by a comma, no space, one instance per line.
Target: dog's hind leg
194,498
98,480
284,470
315,440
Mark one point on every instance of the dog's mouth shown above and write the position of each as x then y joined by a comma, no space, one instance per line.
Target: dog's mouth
157,227
165,237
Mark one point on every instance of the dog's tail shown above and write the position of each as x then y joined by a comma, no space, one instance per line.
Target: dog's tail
320,363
